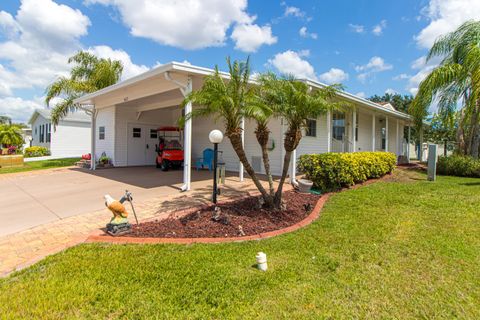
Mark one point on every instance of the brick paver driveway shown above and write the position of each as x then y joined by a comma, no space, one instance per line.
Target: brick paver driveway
46,211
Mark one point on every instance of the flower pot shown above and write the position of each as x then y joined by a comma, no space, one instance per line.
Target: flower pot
304,185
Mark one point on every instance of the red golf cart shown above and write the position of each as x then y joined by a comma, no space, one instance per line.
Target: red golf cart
169,149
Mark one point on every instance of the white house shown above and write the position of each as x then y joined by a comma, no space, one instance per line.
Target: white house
70,138
127,114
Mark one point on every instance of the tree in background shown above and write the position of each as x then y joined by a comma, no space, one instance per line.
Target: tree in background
442,130
88,74
10,135
5,120
456,80
398,101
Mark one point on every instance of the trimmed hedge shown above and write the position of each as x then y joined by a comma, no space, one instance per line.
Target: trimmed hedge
36,152
332,171
460,166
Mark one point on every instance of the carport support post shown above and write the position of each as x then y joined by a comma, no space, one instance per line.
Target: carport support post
240,169
374,132
386,134
93,142
293,172
408,145
187,147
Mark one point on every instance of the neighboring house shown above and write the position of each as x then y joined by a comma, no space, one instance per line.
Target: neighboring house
128,114
70,138
27,137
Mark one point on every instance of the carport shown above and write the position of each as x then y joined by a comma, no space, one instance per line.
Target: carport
125,117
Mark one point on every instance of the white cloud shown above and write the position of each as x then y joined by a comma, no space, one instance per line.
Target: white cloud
291,62
361,94
129,68
305,34
334,75
249,37
378,29
294,11
37,43
445,16
390,91
18,109
375,64
189,24
357,28
401,76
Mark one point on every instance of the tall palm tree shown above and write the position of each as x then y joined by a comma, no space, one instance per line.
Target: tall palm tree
88,74
456,79
296,102
227,100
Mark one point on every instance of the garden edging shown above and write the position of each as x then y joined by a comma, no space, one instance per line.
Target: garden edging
100,236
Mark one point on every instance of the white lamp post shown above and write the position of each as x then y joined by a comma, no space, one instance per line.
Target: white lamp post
215,137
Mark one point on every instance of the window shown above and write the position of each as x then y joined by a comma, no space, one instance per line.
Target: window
48,128
137,132
356,126
153,134
42,128
35,130
338,128
311,129
101,133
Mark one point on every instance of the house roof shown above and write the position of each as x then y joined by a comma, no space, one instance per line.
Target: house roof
196,70
78,116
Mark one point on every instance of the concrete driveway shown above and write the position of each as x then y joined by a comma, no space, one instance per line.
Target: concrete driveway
35,198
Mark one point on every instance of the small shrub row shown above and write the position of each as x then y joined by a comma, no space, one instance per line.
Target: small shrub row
460,166
332,171
36,152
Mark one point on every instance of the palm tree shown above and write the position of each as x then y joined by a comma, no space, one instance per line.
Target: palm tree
88,74
296,102
227,100
10,135
456,79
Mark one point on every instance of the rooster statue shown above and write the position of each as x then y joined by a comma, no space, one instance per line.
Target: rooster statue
119,223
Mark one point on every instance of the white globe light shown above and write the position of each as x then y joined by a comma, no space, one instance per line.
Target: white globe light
215,136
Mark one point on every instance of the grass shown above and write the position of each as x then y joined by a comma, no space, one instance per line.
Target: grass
41,164
398,249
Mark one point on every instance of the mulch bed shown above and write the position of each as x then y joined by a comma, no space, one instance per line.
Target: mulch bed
234,219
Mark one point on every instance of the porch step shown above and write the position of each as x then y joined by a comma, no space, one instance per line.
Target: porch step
83,163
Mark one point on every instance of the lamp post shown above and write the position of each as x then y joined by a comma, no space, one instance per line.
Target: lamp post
215,137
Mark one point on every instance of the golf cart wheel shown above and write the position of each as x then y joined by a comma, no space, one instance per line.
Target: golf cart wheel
164,165
157,164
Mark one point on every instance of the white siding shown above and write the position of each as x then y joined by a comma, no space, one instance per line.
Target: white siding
392,135
71,139
318,144
105,118
36,132
364,142
252,148
125,115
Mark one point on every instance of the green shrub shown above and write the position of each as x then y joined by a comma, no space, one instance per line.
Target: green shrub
461,166
332,171
36,152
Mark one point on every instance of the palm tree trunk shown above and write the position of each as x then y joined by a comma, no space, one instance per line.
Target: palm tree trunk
292,138
474,141
236,140
262,134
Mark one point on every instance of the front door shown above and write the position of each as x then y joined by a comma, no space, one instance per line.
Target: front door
141,144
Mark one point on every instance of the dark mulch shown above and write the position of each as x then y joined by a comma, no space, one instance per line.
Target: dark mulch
238,215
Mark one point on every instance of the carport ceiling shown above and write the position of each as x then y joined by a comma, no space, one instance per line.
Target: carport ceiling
160,100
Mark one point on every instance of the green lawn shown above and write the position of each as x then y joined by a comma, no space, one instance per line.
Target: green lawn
398,249
41,164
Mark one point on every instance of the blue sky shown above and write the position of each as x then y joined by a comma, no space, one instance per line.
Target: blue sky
372,47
